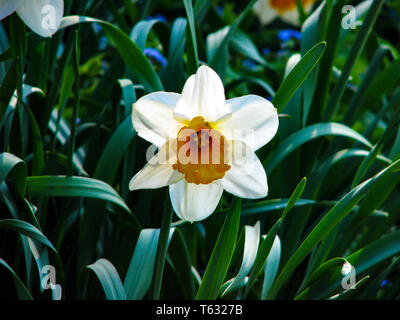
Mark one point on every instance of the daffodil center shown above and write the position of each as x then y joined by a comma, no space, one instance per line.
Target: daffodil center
285,5
201,152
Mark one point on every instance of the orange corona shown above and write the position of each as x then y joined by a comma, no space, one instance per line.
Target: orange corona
286,5
201,152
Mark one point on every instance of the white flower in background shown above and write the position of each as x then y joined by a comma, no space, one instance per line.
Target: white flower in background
205,144
42,16
268,10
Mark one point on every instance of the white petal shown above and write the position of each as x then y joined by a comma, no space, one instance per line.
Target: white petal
263,10
254,120
153,118
7,7
42,16
158,171
203,95
246,178
291,16
193,202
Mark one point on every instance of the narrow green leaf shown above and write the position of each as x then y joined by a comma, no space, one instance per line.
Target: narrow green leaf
109,279
271,267
221,256
114,151
325,283
366,29
7,163
193,59
219,59
129,51
63,186
326,224
140,272
26,229
307,134
162,250
22,291
252,239
294,197
297,75
141,31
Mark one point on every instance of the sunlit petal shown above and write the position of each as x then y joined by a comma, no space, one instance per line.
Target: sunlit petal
7,7
153,119
203,95
158,171
42,16
247,177
193,202
254,120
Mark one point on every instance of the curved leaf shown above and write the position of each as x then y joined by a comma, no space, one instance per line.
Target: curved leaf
8,162
109,279
221,256
252,239
63,186
307,134
26,229
326,224
129,51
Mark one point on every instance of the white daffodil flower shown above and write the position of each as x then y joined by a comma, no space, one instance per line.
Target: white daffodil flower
205,144
42,16
268,10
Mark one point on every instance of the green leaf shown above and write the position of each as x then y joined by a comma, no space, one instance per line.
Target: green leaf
114,151
176,48
358,97
7,88
128,94
140,272
193,59
326,224
26,229
358,45
297,75
271,267
7,163
22,291
262,255
162,250
109,279
382,83
310,35
218,59
221,256
129,51
307,134
272,204
38,149
252,239
63,186
362,260
179,257
141,31
294,197
242,43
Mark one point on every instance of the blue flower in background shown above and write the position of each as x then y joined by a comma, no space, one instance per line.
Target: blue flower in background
247,63
386,282
266,51
158,16
287,34
220,10
155,55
